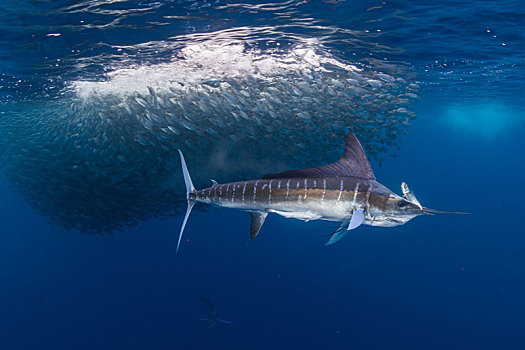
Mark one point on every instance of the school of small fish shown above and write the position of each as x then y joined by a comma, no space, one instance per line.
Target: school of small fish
102,155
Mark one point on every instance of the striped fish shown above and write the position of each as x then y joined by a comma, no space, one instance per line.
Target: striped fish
345,191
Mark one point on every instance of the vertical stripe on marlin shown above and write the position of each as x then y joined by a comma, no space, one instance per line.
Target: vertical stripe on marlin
324,189
270,192
233,192
341,186
244,190
305,188
355,194
255,190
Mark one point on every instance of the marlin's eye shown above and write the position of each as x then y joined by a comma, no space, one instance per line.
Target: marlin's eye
402,204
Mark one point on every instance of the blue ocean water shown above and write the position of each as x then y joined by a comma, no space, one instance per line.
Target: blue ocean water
92,197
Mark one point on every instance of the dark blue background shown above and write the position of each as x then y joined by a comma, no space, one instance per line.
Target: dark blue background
438,282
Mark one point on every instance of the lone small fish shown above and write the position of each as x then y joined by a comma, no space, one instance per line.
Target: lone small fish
212,318
345,191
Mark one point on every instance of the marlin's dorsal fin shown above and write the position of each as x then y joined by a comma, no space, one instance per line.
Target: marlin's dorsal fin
214,183
353,163
257,220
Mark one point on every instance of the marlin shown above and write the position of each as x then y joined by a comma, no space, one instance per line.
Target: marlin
345,191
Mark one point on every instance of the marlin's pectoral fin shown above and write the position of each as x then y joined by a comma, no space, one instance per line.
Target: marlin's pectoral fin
358,217
257,220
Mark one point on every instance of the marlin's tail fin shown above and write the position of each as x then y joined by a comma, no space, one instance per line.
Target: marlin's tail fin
189,189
